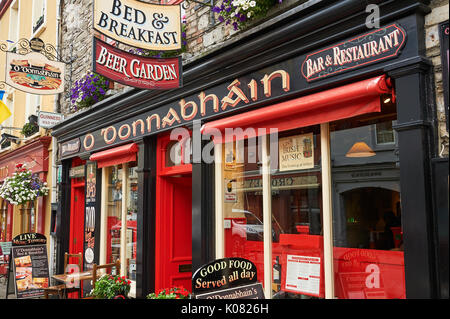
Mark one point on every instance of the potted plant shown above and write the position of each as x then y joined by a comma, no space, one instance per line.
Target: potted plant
171,293
111,287
22,186
29,129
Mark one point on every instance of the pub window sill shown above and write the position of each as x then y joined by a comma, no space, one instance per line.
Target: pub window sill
40,30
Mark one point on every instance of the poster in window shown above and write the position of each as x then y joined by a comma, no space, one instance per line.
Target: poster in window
296,152
303,275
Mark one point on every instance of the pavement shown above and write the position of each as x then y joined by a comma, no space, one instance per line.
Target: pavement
3,290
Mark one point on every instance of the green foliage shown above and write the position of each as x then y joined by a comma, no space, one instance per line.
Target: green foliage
170,293
108,287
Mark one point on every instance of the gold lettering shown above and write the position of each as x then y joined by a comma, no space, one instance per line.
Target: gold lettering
267,81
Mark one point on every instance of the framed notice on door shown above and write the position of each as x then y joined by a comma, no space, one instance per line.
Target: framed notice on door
303,275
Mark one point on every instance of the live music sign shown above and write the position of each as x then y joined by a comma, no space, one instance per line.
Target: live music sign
135,70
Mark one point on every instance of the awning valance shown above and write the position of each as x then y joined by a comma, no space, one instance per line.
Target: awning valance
326,106
115,156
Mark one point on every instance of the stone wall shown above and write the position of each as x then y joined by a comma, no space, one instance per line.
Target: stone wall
440,13
204,34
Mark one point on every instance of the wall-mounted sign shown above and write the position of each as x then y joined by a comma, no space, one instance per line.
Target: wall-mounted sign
296,152
49,119
223,274
135,70
443,34
369,48
30,262
76,172
139,24
34,73
70,147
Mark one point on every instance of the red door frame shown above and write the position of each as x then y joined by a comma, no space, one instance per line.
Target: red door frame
164,192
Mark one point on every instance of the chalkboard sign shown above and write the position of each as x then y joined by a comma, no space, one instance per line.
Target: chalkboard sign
30,263
226,278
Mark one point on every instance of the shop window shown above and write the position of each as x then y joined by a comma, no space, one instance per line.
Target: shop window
295,210
28,217
333,202
368,245
3,219
121,213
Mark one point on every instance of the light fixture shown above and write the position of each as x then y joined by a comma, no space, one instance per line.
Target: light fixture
387,100
360,149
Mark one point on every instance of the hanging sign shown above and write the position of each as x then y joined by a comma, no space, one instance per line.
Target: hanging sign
139,24
369,48
30,262
135,70
227,278
34,73
296,152
49,119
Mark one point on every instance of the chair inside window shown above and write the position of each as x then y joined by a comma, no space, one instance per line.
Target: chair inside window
96,268
62,290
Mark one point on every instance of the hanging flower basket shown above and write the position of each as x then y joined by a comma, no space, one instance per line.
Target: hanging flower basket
88,90
23,186
239,12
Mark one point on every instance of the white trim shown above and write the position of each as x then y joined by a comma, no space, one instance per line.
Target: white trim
103,216
267,217
327,210
123,217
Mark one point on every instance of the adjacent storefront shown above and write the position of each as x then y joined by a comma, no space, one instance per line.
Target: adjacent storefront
308,162
29,217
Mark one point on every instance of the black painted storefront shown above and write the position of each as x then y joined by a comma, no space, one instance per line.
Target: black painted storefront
302,31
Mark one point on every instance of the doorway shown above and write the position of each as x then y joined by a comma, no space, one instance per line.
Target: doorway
173,253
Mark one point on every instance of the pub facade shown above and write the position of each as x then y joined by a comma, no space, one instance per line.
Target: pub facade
307,144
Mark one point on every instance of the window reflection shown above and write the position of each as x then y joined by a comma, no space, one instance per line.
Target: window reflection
368,245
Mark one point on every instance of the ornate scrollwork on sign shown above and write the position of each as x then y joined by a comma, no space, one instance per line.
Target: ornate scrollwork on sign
25,46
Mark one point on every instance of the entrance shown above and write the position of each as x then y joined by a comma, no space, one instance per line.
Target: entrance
173,218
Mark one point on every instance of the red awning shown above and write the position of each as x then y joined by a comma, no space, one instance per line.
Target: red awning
331,105
118,155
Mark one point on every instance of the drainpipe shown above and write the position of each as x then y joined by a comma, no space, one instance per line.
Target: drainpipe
53,240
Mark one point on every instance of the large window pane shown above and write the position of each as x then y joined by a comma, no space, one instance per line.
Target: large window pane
368,248
297,243
243,206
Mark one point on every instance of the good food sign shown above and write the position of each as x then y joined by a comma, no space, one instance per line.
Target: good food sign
135,70
142,25
34,73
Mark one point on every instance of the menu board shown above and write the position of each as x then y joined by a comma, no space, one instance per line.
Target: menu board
30,263
303,275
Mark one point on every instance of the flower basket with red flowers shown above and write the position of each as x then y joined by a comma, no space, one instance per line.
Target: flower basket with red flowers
171,293
111,287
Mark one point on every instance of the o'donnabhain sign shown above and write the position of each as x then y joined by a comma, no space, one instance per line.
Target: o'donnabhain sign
139,24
